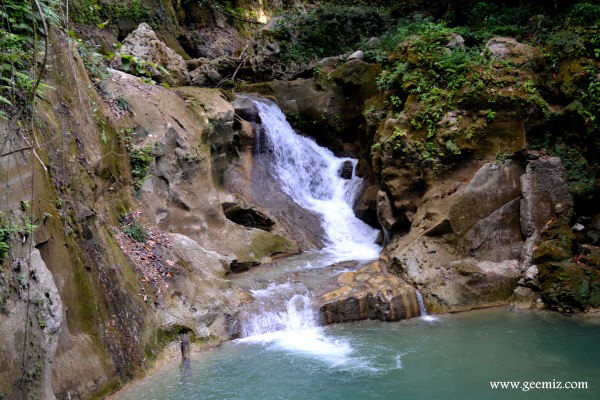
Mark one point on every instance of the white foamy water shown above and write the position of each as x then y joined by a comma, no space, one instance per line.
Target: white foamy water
309,174
281,315
422,310
295,330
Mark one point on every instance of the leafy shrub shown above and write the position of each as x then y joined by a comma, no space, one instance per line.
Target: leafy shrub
4,241
18,27
140,159
132,227
136,231
310,35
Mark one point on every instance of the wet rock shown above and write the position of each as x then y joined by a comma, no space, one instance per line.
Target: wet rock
246,109
385,212
143,44
345,170
526,298
369,293
328,107
365,207
200,298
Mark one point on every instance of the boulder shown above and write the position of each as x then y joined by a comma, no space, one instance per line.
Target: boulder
369,293
365,207
143,44
357,55
456,41
526,298
246,109
465,241
346,169
505,48
205,75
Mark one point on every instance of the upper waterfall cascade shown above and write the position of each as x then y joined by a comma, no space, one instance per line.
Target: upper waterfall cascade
308,173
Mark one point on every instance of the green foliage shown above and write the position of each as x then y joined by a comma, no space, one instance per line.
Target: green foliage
132,227
140,160
589,102
135,10
4,238
580,177
488,19
309,35
123,104
100,12
136,231
19,27
142,68
8,229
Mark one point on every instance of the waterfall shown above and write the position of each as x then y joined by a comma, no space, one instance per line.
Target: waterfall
422,310
308,173
282,314
293,329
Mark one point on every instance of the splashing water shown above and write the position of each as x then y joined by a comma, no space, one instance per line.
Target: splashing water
422,310
296,330
309,174
281,315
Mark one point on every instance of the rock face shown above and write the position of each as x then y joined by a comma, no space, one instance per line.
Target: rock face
480,238
179,194
34,327
247,176
464,246
200,297
143,44
505,48
369,293
545,196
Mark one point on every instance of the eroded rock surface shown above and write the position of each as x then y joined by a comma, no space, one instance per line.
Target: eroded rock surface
164,64
369,293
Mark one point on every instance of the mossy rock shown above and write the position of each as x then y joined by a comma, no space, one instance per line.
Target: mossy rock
265,244
557,242
569,286
570,77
